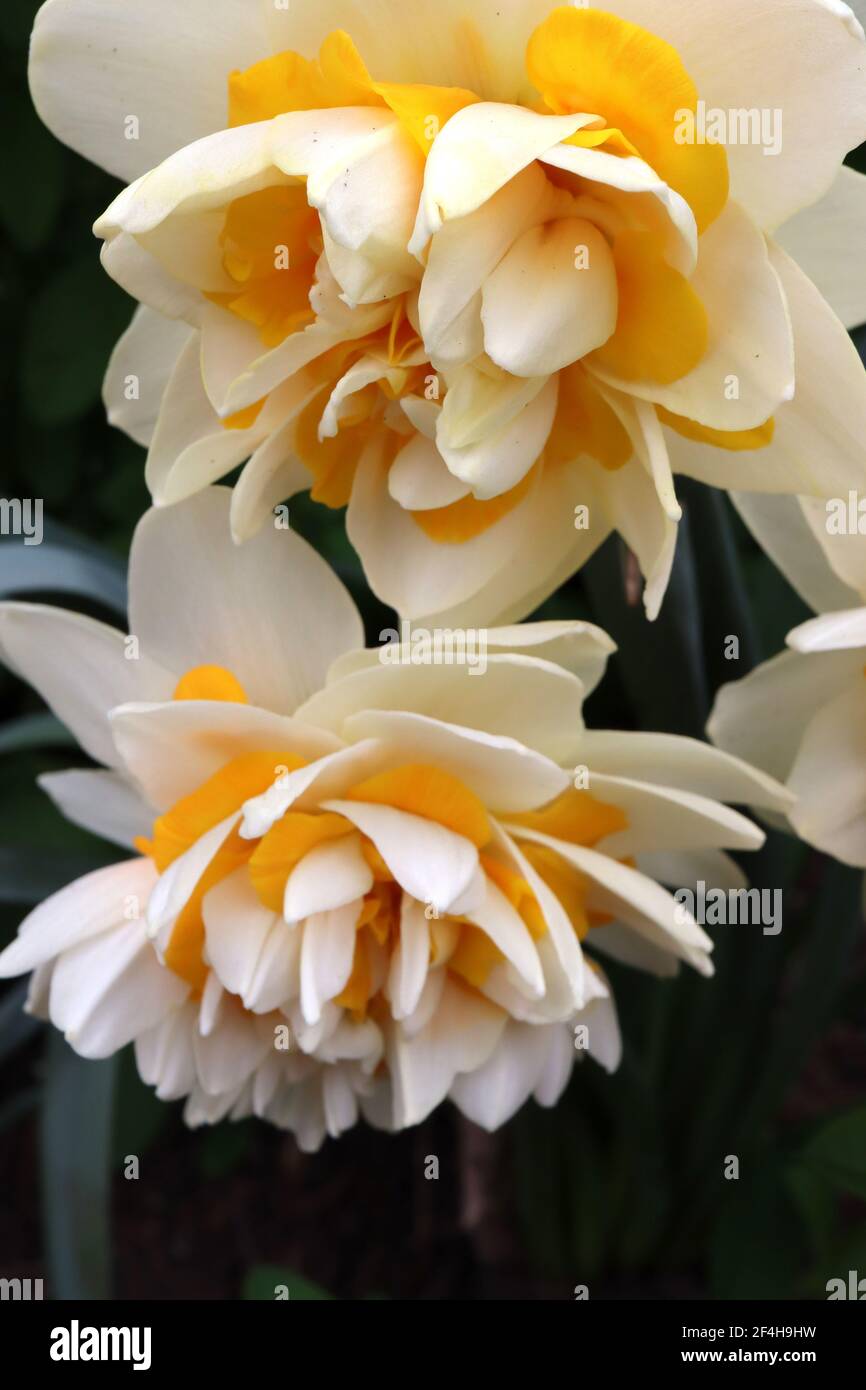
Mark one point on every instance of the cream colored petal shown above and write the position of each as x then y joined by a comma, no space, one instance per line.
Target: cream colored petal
81,668
806,65
551,300
237,609
139,372
761,717
817,447
497,461
105,803
478,152
780,527
826,241
828,780
748,369
94,64
419,478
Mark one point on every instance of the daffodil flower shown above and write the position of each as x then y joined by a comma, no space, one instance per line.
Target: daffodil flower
802,715
483,272
358,884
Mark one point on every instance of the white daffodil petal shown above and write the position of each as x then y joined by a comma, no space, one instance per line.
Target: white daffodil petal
831,632
502,459
459,1038
278,649
102,802
520,697
827,778
106,989
430,862
327,953
480,150
332,875
81,669
505,774
139,371
93,63
826,241
551,300
781,528
685,763
410,961
761,717
87,908
171,749
420,480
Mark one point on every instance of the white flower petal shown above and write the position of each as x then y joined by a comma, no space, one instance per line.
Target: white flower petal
430,862
237,609
761,717
102,802
327,955
172,749
95,63
410,960
87,908
80,668
541,309
107,989
459,1038
332,875
139,371
826,241
827,778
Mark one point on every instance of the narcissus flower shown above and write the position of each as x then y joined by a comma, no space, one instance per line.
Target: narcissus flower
802,715
477,270
359,884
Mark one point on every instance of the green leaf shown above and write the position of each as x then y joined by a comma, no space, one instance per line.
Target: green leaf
77,317
34,731
262,1282
838,1152
75,1144
62,567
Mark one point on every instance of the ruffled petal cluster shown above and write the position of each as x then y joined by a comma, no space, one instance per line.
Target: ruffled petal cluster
489,276
364,880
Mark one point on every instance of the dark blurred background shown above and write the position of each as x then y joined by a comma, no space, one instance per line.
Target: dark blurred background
622,1188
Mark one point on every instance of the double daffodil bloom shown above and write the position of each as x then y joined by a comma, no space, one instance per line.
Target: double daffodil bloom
482,272
361,882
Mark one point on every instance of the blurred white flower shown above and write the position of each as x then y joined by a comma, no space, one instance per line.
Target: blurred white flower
802,715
